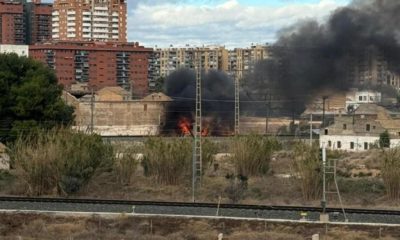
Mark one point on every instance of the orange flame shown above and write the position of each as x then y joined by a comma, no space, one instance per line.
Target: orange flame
184,125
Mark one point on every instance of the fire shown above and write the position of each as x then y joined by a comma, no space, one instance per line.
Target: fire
185,126
205,132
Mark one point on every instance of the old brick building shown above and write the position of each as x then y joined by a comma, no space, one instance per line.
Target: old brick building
99,64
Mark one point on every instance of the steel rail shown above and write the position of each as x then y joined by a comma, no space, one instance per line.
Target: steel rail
195,205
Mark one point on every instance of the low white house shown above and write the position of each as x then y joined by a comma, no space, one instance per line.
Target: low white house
355,98
361,130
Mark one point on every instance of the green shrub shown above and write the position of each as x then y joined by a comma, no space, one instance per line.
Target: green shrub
252,154
361,186
60,159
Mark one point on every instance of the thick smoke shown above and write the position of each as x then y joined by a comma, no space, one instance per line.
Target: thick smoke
309,57
217,101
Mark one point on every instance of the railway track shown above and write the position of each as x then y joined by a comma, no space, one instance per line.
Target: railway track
196,209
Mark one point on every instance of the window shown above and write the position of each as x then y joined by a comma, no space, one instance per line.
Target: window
352,145
366,146
339,144
360,98
145,107
368,127
326,131
329,143
344,126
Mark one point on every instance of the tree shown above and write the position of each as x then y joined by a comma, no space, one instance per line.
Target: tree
384,140
30,97
159,84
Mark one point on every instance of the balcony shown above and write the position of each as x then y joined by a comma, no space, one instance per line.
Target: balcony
86,19
99,25
100,19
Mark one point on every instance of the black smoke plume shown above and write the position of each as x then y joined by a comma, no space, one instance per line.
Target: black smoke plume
310,57
217,105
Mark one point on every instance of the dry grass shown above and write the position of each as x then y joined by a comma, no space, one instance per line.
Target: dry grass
29,226
306,165
391,172
252,154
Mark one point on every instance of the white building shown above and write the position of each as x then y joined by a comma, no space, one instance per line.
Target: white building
361,130
354,98
20,50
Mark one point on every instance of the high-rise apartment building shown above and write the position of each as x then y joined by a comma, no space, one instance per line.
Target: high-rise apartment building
38,18
98,64
12,26
23,22
89,20
243,60
167,60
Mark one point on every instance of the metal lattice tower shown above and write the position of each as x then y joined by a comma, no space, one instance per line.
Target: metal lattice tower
330,172
197,156
237,104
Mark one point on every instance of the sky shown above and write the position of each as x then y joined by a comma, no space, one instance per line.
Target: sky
232,23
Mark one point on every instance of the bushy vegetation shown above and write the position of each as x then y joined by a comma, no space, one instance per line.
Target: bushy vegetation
126,161
59,161
237,187
391,172
168,161
384,140
307,167
252,154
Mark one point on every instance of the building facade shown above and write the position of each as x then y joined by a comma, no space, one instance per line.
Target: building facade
167,60
12,24
243,60
38,18
23,22
235,63
361,130
113,116
99,64
370,67
89,20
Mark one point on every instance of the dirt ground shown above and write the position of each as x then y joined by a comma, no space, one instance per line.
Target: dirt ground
359,183
31,226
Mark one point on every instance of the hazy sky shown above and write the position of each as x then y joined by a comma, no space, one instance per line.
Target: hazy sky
223,22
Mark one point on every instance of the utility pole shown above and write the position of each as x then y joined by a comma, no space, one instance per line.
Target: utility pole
311,130
237,104
329,168
323,110
197,153
92,112
268,105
